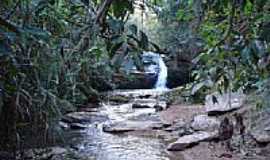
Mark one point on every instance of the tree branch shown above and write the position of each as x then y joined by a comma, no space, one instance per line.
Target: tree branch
8,25
229,29
102,11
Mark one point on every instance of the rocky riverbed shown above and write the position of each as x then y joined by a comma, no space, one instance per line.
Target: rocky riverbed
139,124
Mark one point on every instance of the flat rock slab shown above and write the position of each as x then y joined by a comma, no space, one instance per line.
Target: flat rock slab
218,104
151,103
127,126
84,117
261,136
205,123
189,140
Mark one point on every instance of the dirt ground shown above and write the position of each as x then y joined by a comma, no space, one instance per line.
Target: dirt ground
208,150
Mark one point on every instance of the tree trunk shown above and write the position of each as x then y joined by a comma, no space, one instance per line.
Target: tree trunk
8,119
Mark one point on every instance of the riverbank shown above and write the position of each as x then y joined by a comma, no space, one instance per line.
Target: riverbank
139,124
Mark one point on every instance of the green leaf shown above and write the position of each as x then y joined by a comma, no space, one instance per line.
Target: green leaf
248,7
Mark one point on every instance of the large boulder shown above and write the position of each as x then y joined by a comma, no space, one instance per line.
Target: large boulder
190,140
205,123
220,103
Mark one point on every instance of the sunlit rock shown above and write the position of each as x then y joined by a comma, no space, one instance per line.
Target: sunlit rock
190,140
205,123
261,136
120,127
217,103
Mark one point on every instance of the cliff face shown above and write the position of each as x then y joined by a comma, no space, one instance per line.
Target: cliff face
136,80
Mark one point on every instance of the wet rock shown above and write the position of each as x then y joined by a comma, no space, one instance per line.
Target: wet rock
134,106
190,140
150,103
205,123
145,101
261,136
119,99
127,126
77,126
83,117
87,109
58,150
145,96
218,104
63,125
145,117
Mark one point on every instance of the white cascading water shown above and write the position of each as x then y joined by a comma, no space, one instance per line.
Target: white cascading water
162,75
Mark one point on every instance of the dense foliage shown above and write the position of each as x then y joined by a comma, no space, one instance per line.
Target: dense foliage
56,55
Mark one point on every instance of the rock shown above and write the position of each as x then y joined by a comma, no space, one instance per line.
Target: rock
77,126
127,126
83,117
218,104
58,150
205,123
118,99
145,101
88,109
158,108
176,126
261,136
150,103
136,105
267,128
190,140
63,125
185,131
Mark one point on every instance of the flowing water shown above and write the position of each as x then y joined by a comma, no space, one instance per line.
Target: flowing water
95,144
162,76
159,67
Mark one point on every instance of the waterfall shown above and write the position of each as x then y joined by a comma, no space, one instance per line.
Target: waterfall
159,67
162,75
